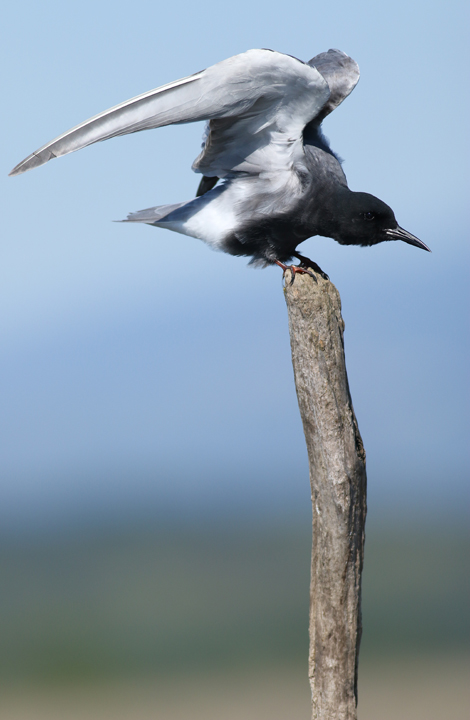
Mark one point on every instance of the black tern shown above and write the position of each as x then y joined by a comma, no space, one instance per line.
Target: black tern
270,179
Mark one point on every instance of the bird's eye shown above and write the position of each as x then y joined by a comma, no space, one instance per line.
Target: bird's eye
368,216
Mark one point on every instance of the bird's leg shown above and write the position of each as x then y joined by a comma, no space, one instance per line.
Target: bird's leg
306,262
295,269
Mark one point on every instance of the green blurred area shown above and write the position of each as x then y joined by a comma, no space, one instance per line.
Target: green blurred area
125,602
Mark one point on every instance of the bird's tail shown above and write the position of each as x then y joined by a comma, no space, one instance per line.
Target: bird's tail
154,215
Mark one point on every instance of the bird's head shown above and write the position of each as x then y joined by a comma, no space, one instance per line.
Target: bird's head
362,219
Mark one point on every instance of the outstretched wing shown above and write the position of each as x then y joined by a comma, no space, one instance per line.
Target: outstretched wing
258,104
342,75
130,116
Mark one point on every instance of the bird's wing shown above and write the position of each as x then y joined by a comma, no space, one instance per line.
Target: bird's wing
254,100
340,72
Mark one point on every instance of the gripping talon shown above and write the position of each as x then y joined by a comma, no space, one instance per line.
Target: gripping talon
307,263
295,269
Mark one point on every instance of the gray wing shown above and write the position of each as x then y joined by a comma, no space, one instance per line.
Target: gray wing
130,116
258,104
340,72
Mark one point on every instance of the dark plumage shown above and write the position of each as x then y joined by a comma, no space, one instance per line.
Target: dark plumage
270,179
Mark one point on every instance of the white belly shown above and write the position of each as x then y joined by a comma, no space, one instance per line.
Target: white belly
209,218
229,206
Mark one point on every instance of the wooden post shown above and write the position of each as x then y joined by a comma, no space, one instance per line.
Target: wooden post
338,484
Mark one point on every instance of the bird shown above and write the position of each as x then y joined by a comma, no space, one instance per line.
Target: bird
270,179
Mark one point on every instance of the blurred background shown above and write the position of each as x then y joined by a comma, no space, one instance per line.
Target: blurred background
154,497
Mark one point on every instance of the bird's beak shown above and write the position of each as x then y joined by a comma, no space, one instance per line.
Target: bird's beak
399,234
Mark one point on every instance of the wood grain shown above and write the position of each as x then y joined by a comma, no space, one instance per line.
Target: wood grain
338,486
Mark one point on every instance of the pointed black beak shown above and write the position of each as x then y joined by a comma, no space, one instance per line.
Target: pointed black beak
399,234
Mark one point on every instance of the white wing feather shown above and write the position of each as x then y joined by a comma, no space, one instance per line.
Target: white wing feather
257,103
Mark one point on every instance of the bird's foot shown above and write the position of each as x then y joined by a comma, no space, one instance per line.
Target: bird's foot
307,263
295,269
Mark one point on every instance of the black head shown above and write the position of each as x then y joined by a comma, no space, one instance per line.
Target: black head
362,219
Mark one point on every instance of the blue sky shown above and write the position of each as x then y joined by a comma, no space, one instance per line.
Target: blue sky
139,368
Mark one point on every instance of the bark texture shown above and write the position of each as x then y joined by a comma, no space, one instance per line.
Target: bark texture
338,484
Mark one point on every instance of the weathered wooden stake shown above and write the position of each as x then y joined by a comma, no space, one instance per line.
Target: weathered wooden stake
338,483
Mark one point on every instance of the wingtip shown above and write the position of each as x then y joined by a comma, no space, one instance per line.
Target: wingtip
25,165
16,170
32,161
